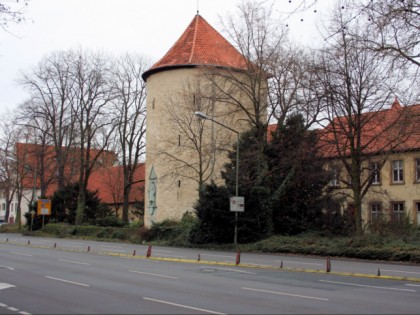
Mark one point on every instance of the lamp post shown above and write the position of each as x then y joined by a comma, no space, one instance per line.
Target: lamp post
206,117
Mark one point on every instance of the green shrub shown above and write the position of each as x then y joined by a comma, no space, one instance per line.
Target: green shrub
110,221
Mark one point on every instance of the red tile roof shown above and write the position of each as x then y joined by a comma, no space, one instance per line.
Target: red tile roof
394,129
199,45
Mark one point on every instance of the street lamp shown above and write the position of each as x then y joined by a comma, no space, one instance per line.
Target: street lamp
206,117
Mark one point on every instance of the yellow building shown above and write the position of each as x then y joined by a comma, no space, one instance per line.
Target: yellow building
390,158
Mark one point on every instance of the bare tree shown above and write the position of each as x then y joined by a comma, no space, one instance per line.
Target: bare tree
357,86
49,111
11,12
91,107
129,100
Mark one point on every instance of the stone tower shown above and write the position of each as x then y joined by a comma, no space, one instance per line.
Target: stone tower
178,85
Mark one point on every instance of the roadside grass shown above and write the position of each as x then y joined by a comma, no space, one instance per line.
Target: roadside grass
390,247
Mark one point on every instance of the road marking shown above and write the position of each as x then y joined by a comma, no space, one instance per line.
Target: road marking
4,285
153,274
72,282
3,305
413,285
74,262
22,254
367,286
401,271
10,268
13,309
24,313
229,269
298,262
287,294
183,306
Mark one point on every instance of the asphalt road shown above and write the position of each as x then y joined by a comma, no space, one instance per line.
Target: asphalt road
59,276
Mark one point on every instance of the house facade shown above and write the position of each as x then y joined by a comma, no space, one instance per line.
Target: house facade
390,164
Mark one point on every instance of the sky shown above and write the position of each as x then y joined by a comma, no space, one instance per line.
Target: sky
146,27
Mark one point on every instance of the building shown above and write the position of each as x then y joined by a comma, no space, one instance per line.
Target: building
35,172
390,163
182,82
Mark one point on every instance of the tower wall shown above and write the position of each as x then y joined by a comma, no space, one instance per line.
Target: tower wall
169,192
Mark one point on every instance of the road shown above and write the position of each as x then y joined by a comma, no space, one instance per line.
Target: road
59,276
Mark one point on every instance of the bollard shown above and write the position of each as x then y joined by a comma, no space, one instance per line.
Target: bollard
281,264
88,249
149,251
328,268
134,252
238,258
7,240
29,242
198,257
55,245
379,272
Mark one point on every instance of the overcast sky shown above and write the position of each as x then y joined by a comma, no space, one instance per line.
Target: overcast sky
147,27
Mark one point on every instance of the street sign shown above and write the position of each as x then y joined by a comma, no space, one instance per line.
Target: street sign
44,207
237,204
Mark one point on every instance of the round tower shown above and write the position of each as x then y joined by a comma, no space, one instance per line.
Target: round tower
180,155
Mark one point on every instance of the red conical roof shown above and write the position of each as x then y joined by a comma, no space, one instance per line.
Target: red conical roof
200,44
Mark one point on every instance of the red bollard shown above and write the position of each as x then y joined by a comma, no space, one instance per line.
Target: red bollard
198,257
149,251
238,258
328,269
134,253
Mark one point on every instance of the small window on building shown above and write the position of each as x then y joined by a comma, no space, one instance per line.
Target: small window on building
417,170
179,140
375,211
334,176
398,211
375,173
397,171
179,183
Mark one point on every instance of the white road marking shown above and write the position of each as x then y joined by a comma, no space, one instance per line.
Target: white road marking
10,268
183,306
298,262
13,309
24,313
4,285
67,281
229,269
401,271
74,262
413,285
22,254
153,274
367,286
287,294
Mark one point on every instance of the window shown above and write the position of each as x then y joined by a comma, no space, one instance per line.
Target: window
417,178
334,176
375,212
397,171
375,173
398,211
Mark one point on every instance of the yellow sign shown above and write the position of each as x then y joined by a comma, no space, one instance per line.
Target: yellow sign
44,207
